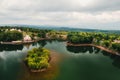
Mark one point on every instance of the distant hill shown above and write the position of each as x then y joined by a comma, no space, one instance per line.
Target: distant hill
64,28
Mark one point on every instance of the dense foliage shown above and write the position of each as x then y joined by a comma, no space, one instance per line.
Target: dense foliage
38,58
116,46
34,33
82,37
59,35
11,36
102,39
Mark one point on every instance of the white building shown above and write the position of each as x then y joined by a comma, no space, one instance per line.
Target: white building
19,30
12,29
27,38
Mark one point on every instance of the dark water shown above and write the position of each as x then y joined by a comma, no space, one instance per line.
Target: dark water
80,63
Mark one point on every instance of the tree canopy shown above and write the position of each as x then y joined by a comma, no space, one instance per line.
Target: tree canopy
38,58
11,36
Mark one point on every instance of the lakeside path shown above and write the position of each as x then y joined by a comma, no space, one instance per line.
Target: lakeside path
100,47
24,42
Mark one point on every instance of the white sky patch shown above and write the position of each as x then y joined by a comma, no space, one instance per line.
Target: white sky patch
74,13
84,3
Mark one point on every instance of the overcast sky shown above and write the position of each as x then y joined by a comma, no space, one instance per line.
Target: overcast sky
97,14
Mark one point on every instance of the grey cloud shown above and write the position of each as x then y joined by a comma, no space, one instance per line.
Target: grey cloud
64,5
79,13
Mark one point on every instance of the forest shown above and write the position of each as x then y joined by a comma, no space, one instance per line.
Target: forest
107,40
9,34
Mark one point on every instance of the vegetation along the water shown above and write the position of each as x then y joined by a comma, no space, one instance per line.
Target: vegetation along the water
107,40
38,59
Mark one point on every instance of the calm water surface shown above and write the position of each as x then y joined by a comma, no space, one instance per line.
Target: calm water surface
80,63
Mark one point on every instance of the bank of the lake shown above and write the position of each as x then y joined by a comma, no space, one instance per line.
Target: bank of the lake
97,46
24,42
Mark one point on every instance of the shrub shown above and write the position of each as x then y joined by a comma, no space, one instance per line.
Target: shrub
38,58
116,46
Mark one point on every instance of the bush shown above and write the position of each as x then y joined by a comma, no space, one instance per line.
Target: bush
38,58
116,46
11,36
106,43
82,37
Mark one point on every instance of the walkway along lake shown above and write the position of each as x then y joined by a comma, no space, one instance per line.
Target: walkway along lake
93,45
77,63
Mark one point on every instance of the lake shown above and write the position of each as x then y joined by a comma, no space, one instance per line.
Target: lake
78,63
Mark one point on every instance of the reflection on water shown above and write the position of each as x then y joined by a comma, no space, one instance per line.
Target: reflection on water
7,47
89,49
42,43
50,74
115,58
116,62
82,49
90,63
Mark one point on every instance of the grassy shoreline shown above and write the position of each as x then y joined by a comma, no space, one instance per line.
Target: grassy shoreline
24,42
97,46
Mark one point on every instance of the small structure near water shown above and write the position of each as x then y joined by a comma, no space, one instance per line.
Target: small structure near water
27,38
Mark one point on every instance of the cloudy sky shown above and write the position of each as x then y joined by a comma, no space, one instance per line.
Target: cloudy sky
95,14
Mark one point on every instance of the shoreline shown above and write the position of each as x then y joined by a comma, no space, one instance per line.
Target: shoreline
24,42
97,46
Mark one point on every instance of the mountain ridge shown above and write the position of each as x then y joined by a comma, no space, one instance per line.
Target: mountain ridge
65,28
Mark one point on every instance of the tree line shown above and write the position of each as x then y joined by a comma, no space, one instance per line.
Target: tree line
98,38
10,36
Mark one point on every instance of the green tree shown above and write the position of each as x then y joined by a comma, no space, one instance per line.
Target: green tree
38,58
